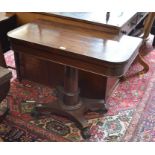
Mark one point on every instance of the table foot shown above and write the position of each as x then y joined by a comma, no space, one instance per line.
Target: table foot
85,132
74,113
95,105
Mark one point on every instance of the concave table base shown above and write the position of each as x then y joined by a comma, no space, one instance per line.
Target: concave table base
70,105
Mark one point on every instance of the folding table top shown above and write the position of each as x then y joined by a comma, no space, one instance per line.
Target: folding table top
79,45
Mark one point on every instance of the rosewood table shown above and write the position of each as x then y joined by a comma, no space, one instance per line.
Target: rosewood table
118,23
77,50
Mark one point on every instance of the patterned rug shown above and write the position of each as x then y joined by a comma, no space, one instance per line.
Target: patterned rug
128,118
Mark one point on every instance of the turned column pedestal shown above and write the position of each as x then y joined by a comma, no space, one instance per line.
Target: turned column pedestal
70,104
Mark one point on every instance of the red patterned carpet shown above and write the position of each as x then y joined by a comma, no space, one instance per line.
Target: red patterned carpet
131,115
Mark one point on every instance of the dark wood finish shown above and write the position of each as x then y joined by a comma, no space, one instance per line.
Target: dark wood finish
70,104
101,53
17,62
146,31
2,59
118,22
5,76
75,49
142,61
153,43
7,23
52,74
153,31
110,22
148,25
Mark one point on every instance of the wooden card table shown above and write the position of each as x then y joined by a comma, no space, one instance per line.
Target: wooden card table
77,50
94,23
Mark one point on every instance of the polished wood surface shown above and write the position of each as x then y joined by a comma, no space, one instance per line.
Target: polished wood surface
51,74
26,17
78,48
115,18
118,22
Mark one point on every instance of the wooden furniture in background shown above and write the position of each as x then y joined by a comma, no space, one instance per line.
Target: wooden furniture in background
146,31
118,22
5,76
52,74
7,23
148,25
75,49
2,59
153,33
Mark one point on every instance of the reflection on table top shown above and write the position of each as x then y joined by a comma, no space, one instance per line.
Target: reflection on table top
74,41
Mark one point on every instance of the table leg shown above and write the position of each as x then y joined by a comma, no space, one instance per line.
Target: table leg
70,104
17,63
